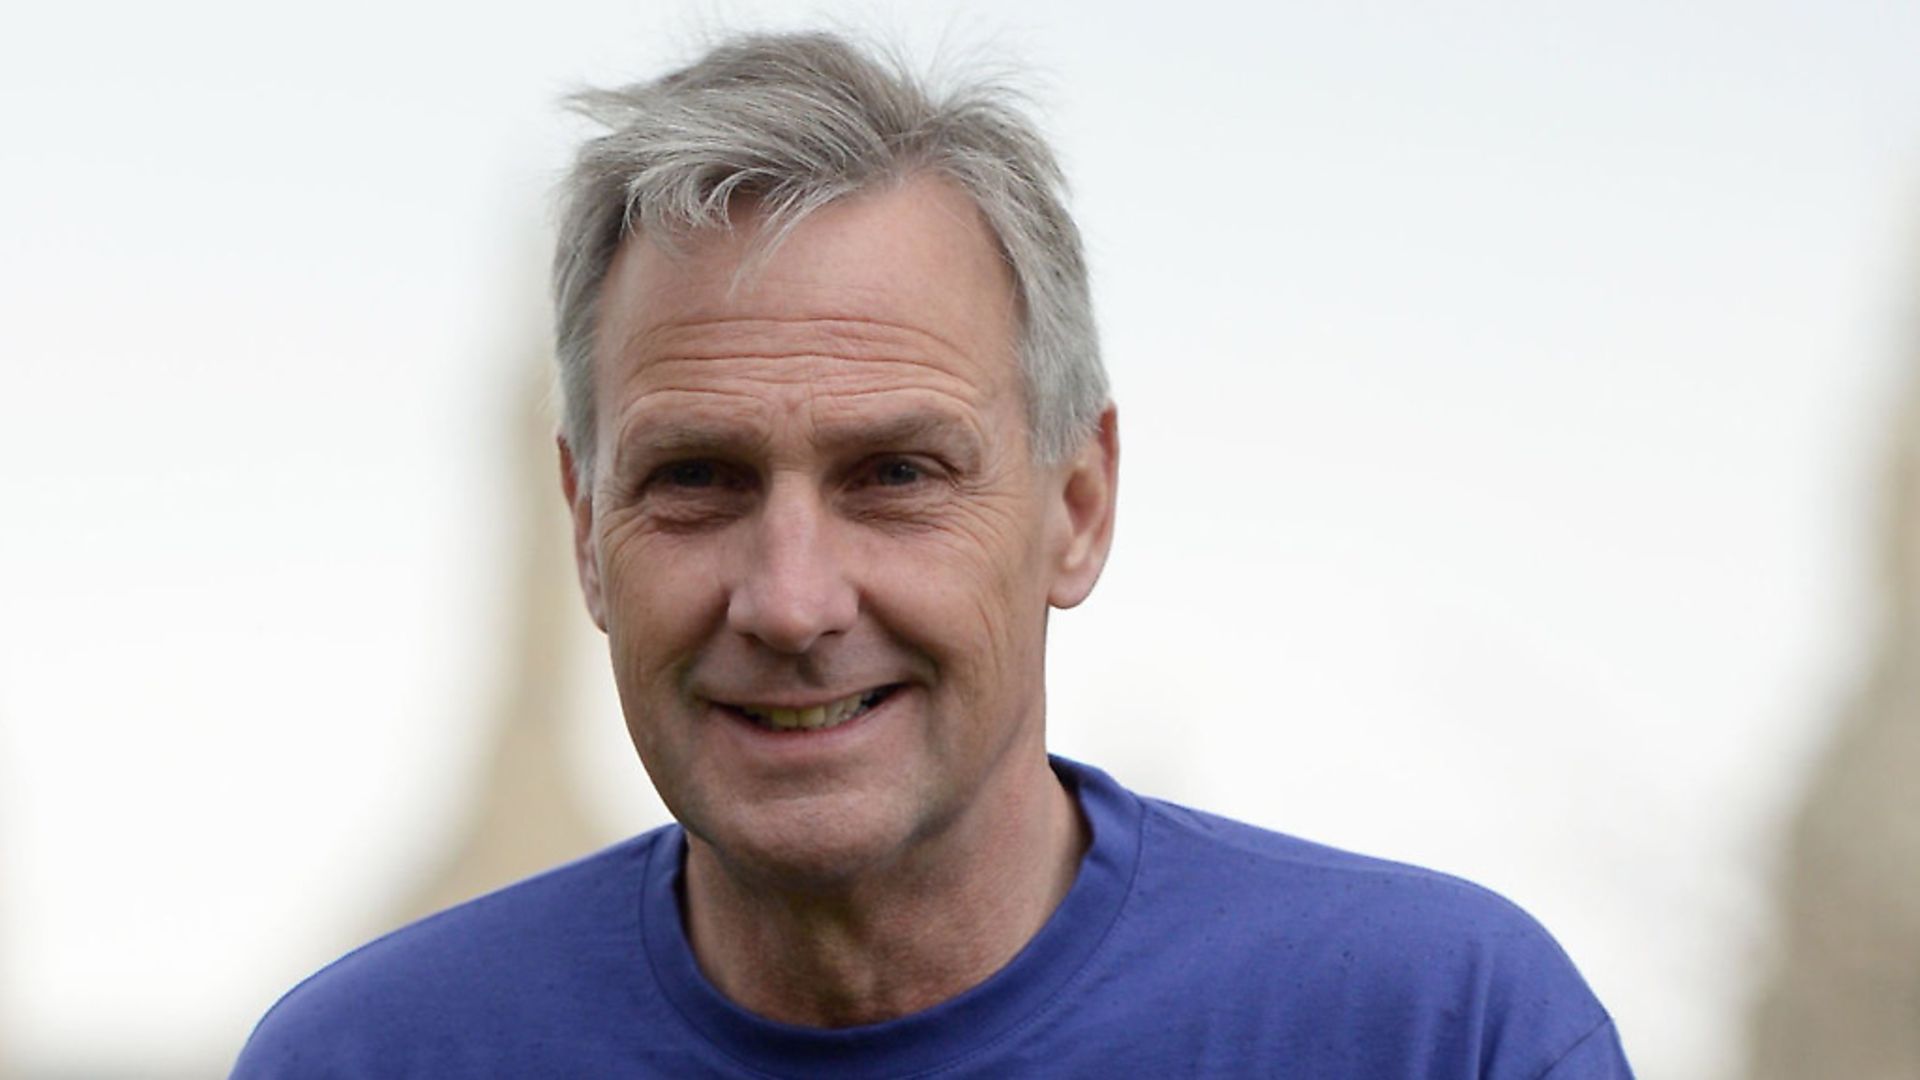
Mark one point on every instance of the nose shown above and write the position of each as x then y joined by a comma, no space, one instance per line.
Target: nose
793,588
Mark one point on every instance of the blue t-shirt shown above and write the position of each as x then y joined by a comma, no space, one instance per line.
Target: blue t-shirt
1189,945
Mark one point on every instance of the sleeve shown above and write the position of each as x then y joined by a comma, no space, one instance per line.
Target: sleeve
1597,1056
288,1045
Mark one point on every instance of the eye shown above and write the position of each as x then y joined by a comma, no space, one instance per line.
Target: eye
690,474
897,472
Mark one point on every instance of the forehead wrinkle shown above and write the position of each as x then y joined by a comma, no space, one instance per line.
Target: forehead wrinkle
842,337
818,376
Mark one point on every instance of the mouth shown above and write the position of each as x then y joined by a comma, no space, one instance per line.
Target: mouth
813,717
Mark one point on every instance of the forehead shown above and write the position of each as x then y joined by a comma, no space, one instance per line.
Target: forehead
903,279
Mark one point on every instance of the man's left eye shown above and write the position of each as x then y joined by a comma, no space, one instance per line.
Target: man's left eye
898,472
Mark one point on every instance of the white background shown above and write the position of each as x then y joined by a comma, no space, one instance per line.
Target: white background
1501,389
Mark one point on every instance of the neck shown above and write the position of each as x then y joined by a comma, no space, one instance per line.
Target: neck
897,940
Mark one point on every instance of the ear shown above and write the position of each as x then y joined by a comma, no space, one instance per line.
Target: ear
1087,493
586,549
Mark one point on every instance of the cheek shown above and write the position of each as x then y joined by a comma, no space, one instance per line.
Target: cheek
660,603
968,593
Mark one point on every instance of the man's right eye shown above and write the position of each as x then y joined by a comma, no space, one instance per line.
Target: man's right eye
695,491
691,474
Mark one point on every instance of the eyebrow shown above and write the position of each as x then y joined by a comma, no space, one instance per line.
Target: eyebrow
907,430
922,428
678,437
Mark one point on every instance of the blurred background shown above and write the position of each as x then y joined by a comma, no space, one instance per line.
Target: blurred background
1521,477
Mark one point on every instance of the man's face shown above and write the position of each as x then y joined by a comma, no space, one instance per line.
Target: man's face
815,535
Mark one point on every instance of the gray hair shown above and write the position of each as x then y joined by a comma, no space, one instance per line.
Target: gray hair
795,122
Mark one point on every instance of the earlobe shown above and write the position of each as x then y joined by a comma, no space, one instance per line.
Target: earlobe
1087,500
586,555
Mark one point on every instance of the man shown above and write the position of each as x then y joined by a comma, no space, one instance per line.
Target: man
836,440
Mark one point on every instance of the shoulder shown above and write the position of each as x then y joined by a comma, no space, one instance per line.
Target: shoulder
427,988
1259,870
1380,948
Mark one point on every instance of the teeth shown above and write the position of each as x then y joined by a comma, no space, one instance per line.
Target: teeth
829,715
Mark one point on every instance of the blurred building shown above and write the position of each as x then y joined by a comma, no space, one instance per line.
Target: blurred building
1844,1000
526,813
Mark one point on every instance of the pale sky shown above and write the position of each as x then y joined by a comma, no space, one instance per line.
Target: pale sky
1500,388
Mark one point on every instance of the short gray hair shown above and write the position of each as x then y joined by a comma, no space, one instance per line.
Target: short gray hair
795,122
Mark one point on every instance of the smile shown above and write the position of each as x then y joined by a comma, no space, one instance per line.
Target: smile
814,717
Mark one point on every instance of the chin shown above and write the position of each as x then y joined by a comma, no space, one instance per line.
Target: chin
814,844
